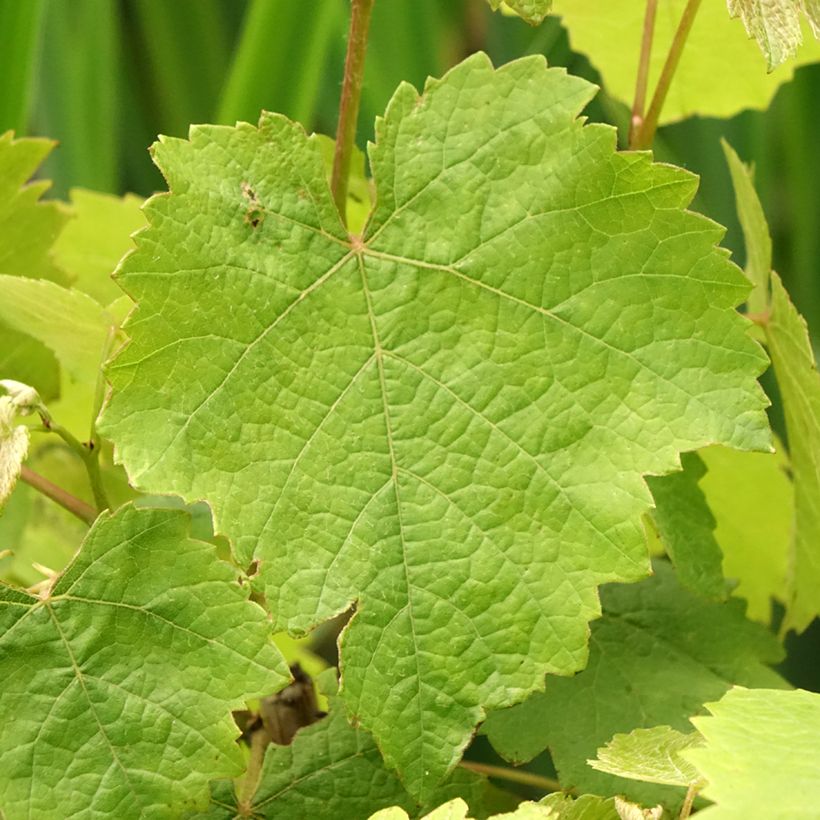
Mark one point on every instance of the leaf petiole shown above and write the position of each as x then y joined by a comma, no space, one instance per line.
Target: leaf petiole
642,80
349,102
546,784
85,512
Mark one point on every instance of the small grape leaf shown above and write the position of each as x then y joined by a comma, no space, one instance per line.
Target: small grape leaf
96,238
799,383
105,707
447,419
760,754
656,656
585,807
533,11
652,755
686,526
721,71
458,810
775,24
330,770
752,499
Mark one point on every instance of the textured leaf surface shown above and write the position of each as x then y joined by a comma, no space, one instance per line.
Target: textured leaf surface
752,499
775,24
14,441
760,757
652,755
458,810
106,708
585,807
686,526
720,73
533,11
446,420
331,770
96,238
799,383
657,655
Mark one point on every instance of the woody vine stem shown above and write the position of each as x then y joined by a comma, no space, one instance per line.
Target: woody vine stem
349,104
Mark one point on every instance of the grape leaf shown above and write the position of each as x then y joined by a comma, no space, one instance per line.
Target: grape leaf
752,499
445,420
96,238
686,528
775,24
760,755
656,656
755,229
105,707
799,383
652,755
71,324
721,71
585,807
330,770
533,11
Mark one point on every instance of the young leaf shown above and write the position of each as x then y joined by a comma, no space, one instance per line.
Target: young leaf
447,419
330,770
799,383
686,528
752,500
458,810
14,441
656,656
105,708
775,24
95,240
652,755
755,229
585,807
533,11
760,755
721,71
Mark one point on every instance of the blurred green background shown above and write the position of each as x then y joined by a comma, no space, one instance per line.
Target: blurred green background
104,77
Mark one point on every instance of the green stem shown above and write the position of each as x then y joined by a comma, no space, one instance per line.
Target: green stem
646,133
546,784
643,71
247,787
90,454
349,103
686,808
85,512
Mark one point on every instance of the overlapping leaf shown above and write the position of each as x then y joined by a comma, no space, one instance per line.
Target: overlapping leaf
657,655
118,682
721,71
776,24
686,526
445,420
760,755
653,755
752,500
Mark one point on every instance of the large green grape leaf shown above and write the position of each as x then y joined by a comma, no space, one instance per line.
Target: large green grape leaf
533,11
656,656
118,682
775,24
686,526
799,383
445,420
760,755
330,770
95,240
752,499
721,70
